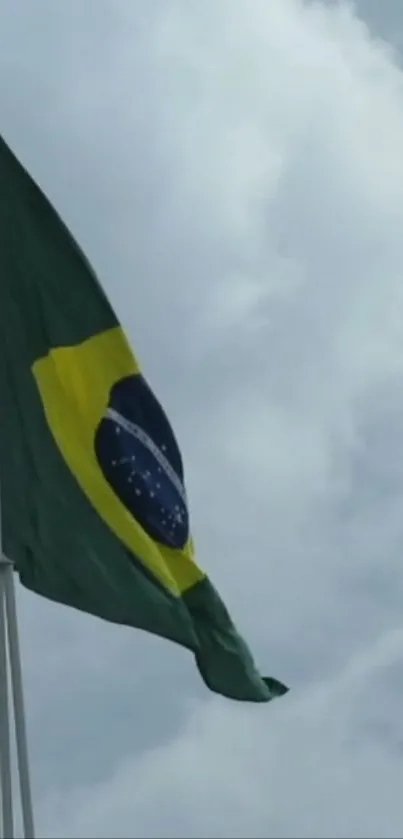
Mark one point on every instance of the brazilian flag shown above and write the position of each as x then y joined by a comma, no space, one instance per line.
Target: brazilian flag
94,507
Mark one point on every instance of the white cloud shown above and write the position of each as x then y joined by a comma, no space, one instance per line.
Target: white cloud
248,157
327,763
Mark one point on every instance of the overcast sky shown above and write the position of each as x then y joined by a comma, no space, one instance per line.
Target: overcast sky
234,171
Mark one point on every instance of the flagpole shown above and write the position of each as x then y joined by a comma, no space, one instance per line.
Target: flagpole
19,710
7,820
9,639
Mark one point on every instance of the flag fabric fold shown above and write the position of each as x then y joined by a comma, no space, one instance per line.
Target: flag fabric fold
94,504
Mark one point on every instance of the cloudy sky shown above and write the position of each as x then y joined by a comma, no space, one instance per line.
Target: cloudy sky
234,171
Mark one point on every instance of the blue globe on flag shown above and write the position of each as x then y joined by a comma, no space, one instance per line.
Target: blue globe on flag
140,458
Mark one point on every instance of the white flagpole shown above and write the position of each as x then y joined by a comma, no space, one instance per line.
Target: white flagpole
9,638
19,710
7,825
